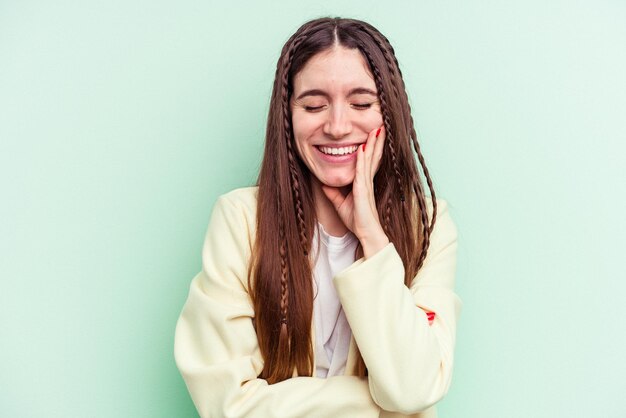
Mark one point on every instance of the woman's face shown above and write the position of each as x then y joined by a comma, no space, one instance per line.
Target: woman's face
334,108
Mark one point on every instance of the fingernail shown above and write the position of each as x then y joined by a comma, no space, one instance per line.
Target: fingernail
363,147
378,132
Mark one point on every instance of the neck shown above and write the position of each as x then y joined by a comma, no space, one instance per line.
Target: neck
326,213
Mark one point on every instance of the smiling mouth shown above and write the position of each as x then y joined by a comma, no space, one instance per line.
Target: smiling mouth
338,151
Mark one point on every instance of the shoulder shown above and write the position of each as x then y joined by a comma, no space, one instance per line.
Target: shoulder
443,220
443,209
244,198
240,205
445,231
440,263
234,215
442,206
229,237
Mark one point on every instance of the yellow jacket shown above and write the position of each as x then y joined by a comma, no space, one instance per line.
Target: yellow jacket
409,361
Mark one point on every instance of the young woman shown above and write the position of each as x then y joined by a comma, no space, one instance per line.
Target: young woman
327,290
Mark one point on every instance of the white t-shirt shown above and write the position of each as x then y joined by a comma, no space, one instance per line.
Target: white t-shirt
332,331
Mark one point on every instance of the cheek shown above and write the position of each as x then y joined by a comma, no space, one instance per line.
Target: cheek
376,118
368,121
303,130
299,138
299,148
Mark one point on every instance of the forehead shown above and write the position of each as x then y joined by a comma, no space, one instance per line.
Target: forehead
336,69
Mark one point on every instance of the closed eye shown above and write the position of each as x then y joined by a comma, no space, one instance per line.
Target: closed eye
313,108
361,106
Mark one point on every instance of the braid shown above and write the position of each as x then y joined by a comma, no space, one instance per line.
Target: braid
304,242
284,336
386,120
284,271
392,64
299,211
389,51
389,132
282,369
283,350
384,49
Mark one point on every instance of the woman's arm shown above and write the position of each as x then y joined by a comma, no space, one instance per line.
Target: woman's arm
409,361
216,349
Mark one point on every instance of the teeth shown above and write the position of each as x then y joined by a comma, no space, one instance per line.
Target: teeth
339,151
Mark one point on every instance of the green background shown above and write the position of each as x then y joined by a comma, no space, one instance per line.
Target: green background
121,122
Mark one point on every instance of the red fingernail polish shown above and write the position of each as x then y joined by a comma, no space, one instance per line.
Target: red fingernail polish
363,147
378,132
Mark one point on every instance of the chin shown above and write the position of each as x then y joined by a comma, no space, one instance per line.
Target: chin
339,182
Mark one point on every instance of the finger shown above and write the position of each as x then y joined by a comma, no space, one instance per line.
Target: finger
379,147
359,174
334,195
369,149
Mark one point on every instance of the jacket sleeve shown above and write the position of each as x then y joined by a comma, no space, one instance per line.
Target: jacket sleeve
216,348
409,361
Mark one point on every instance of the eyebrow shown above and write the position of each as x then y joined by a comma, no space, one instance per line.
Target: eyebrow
317,92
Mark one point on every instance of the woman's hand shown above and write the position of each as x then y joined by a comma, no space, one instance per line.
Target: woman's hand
357,210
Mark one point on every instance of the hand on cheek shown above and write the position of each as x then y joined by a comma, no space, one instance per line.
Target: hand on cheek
358,210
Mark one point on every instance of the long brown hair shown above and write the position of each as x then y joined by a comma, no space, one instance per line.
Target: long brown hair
280,274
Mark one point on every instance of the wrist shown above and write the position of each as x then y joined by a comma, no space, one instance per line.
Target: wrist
373,243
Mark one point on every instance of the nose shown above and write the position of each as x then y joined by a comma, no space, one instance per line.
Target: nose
338,124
